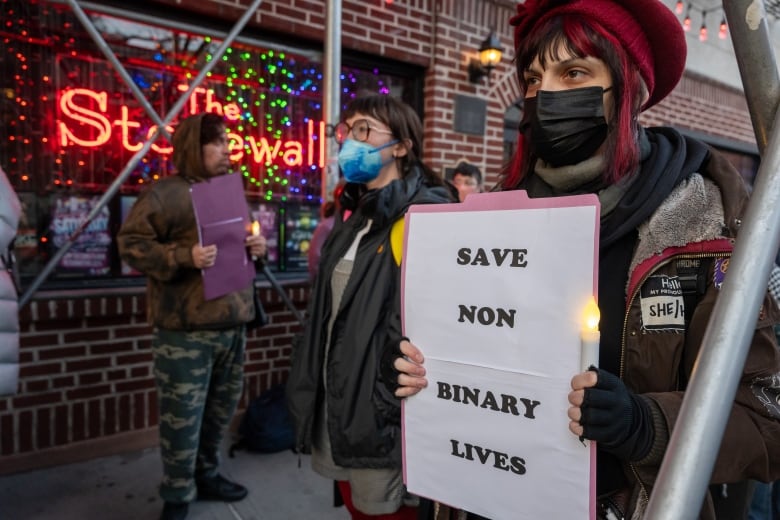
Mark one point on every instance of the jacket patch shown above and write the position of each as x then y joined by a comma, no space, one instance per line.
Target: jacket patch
661,298
767,391
719,274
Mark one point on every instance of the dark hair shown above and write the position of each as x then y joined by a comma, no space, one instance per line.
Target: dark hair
582,37
188,139
468,169
212,128
405,125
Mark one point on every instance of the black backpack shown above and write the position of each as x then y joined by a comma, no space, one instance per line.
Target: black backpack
266,426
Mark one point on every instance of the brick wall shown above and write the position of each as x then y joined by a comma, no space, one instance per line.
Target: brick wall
86,373
86,364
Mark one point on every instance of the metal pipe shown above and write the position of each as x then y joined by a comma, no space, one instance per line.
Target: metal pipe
693,447
175,109
283,295
757,66
331,95
106,50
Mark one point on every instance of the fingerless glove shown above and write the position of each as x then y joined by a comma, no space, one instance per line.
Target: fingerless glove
618,419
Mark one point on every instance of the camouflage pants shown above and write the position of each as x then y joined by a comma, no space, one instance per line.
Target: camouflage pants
199,377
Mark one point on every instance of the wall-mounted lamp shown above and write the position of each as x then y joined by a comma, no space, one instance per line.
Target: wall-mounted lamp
490,52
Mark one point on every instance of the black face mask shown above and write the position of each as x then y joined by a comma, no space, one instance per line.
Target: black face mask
566,126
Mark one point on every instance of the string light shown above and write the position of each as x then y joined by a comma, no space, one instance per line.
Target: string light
687,7
703,28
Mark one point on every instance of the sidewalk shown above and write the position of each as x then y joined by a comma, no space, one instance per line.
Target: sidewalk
124,487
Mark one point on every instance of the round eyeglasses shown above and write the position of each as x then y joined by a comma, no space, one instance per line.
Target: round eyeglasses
360,131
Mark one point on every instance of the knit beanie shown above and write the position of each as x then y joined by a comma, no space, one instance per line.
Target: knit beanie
648,31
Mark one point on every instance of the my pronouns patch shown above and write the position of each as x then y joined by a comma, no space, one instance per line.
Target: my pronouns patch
719,274
661,299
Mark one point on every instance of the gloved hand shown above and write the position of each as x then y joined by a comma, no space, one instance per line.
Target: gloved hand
618,419
387,371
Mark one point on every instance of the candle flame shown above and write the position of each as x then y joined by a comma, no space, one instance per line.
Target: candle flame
592,315
255,228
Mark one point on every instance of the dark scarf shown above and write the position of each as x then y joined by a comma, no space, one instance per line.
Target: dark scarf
671,159
667,159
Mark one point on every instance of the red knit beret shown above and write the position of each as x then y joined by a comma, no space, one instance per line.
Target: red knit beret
649,31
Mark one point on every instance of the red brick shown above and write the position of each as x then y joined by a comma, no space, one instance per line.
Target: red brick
110,419
94,419
79,422
62,352
30,401
36,385
43,428
132,386
39,369
88,336
88,364
86,392
38,340
132,359
132,332
139,411
6,434
61,432
25,425
153,411
62,382
137,372
90,378
124,413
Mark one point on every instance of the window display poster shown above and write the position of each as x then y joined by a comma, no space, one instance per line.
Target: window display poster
299,223
90,254
125,203
30,259
266,213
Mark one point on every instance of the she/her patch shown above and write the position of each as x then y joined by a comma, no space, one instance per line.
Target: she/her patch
661,299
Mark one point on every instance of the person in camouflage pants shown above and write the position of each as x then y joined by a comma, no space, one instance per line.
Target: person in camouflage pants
198,344
199,380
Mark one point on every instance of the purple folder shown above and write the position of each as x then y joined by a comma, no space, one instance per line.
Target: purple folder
222,216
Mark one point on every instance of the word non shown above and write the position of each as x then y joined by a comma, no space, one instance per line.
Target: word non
482,455
487,399
487,316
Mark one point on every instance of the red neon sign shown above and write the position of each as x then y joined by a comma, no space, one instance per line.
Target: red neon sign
85,121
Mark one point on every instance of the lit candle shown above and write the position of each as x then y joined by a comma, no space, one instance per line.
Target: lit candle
255,232
590,336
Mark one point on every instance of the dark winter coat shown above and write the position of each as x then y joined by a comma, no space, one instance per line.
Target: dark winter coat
157,239
363,416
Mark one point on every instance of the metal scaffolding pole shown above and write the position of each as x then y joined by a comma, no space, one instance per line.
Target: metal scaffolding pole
108,53
694,444
331,94
175,109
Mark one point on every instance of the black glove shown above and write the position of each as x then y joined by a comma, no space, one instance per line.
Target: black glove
618,419
387,371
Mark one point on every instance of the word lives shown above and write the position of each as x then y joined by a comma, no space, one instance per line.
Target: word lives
487,399
480,257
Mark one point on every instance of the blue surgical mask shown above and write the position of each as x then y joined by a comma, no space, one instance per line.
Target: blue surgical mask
361,162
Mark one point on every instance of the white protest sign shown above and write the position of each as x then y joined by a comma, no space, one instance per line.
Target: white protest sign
493,294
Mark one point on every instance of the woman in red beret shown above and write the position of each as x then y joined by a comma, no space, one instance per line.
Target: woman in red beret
587,69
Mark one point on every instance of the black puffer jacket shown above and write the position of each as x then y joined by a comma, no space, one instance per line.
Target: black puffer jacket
363,416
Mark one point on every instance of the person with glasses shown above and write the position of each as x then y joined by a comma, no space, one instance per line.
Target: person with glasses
671,209
467,179
342,411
